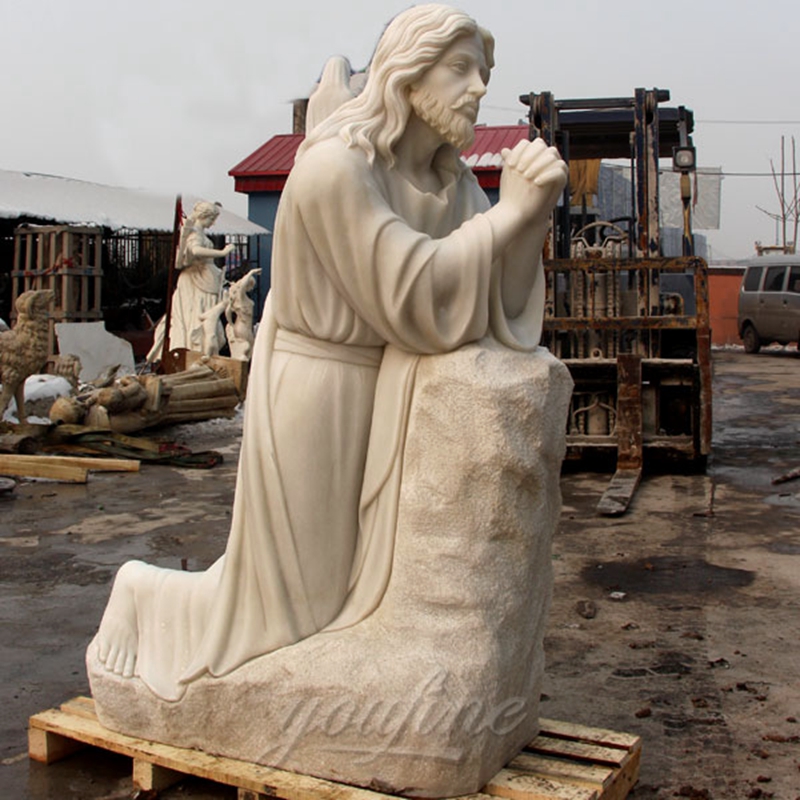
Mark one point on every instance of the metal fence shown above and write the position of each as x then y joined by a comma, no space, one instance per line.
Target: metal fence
136,269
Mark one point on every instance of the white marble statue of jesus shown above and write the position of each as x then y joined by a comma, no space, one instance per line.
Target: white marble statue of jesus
386,249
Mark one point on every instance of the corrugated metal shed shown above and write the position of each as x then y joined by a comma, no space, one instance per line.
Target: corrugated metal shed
73,202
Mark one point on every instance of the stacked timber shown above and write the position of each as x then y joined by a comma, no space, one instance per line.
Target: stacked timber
199,393
134,403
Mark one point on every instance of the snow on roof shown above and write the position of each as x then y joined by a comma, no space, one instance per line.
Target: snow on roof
75,202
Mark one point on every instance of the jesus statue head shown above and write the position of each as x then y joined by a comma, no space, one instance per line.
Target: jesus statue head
432,62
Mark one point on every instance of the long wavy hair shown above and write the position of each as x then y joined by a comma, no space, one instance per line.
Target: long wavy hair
411,44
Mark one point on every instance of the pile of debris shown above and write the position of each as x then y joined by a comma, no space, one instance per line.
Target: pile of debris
88,429
135,402
79,421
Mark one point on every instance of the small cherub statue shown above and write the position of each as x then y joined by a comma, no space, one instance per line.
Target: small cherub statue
239,314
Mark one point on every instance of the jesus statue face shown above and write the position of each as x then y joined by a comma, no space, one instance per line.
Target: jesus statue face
447,97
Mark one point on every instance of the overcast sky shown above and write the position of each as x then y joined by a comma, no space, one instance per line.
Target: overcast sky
169,95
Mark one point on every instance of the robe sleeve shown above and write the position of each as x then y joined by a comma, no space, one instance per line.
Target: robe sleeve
524,331
421,294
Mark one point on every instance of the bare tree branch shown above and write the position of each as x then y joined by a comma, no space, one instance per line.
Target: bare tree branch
770,214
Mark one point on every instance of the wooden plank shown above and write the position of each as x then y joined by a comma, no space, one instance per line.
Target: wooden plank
92,464
150,777
218,403
80,707
619,492
615,756
520,785
100,464
67,293
48,747
602,736
218,387
610,783
198,372
476,796
83,298
598,776
43,469
333,792
98,270
625,779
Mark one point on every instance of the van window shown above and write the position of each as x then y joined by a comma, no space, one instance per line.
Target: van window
752,279
774,280
794,280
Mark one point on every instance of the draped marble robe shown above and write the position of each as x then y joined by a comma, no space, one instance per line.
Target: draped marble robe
363,283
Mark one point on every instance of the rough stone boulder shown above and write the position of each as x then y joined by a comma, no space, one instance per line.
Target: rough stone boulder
439,688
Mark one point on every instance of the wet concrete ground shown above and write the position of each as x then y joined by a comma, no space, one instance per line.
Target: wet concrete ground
699,656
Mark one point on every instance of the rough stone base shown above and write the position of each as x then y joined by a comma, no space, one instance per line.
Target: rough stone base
439,688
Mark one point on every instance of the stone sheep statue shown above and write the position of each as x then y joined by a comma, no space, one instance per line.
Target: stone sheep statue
23,349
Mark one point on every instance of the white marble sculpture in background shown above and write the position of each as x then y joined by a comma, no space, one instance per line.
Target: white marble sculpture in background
199,286
239,311
387,258
213,336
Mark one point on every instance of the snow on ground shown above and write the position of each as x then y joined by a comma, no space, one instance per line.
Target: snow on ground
41,391
195,433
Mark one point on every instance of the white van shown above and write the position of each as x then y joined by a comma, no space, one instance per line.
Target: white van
769,302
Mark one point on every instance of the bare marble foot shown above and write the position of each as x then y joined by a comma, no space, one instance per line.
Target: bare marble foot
118,638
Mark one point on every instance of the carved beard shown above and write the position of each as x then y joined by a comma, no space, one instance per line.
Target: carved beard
453,127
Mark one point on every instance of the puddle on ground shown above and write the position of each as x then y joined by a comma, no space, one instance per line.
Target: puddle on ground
784,500
667,575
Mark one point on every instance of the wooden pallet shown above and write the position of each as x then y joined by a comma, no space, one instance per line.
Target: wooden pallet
565,762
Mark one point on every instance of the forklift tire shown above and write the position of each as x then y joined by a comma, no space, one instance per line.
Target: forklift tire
752,344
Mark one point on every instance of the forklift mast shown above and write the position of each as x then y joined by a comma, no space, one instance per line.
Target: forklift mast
631,324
